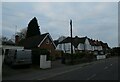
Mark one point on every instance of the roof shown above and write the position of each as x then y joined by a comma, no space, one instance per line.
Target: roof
95,42
35,41
76,40
91,42
8,43
66,40
56,42
105,45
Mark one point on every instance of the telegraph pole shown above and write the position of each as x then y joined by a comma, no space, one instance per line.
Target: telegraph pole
71,41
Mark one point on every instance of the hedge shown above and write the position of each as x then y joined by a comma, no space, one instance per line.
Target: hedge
79,57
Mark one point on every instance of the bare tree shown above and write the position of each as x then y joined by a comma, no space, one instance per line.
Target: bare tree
3,38
22,33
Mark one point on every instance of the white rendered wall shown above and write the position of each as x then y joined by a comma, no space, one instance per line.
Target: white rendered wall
101,57
87,45
43,63
65,47
81,46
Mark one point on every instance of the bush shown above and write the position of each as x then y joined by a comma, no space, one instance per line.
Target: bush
80,57
89,55
115,51
67,55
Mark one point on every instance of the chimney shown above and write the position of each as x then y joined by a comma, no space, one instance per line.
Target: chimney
16,39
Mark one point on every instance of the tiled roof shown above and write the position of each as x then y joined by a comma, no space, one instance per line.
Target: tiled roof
66,40
34,41
95,42
91,42
76,40
56,42
8,43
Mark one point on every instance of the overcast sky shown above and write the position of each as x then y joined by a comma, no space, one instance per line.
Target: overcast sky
97,20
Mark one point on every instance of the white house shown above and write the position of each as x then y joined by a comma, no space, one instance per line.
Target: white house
87,45
65,46
80,44
96,45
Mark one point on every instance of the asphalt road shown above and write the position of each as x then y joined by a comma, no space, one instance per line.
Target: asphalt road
106,69
101,70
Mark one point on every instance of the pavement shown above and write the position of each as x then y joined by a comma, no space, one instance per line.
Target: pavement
35,73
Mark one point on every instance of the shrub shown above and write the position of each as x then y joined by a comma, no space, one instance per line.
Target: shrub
67,55
79,57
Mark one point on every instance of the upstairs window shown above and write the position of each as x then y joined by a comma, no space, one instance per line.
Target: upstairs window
47,41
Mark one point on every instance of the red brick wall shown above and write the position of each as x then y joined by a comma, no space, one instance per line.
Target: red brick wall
48,45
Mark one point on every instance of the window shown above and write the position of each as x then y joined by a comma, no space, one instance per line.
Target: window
60,46
47,41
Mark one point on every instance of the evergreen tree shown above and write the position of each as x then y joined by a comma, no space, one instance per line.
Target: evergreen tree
33,28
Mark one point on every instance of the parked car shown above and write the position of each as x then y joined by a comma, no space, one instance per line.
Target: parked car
17,57
1,54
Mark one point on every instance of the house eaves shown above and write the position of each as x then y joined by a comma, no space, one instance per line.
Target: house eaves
45,38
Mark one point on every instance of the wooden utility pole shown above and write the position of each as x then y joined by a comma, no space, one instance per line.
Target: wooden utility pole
71,42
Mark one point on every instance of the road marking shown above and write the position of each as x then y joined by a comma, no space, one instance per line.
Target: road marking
106,67
91,77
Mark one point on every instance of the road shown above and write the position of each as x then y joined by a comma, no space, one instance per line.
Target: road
106,69
103,70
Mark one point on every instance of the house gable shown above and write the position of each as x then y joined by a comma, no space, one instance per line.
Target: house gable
47,40
87,41
32,42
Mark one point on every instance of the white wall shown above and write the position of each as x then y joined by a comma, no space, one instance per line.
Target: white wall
87,45
58,47
99,48
43,63
93,48
81,46
101,57
66,47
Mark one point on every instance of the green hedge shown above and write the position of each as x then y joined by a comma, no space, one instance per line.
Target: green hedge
80,57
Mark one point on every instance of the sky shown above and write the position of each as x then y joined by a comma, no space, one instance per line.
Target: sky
96,20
